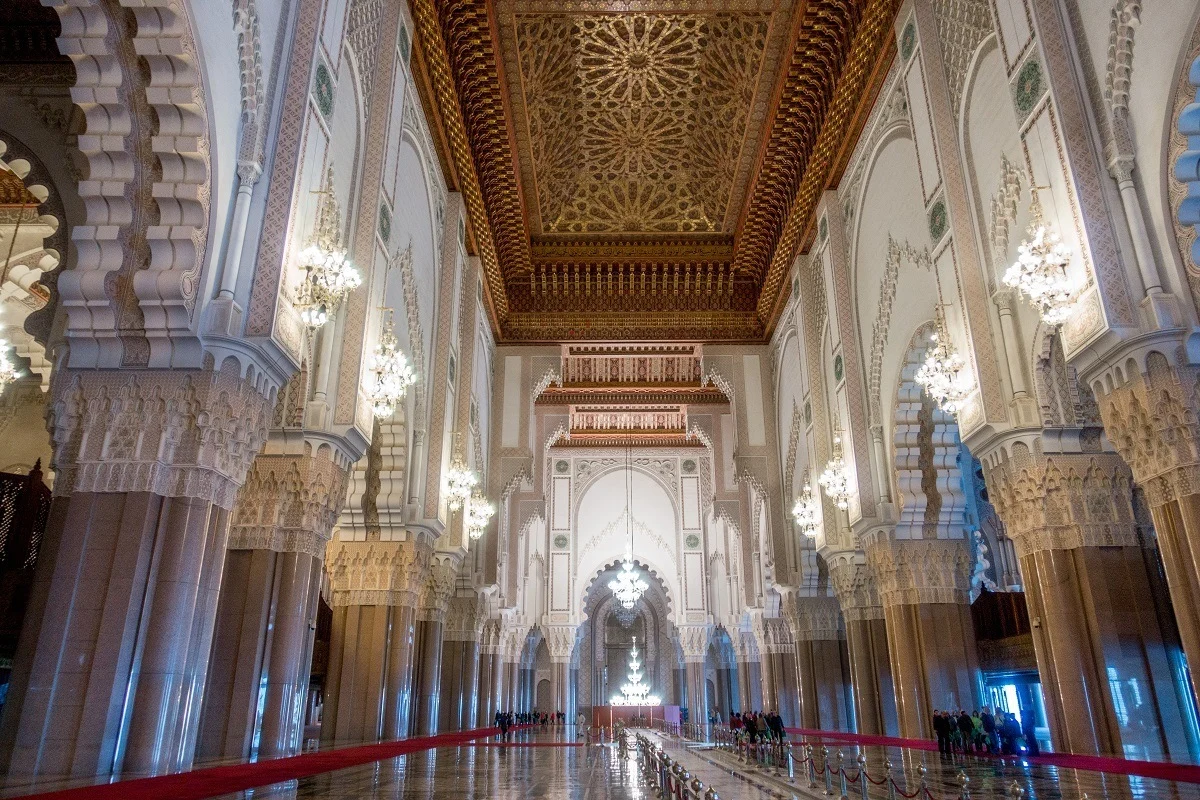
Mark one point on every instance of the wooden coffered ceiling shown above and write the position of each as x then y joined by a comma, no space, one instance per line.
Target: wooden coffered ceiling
645,169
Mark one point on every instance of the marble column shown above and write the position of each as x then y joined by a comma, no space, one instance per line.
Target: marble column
923,584
148,464
427,660
560,641
821,665
267,606
1150,419
1071,518
693,640
870,667
460,662
373,592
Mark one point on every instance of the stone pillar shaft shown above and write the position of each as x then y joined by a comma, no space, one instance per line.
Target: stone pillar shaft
1072,521
397,707
427,676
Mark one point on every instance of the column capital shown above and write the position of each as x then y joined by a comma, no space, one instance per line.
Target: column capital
560,640
174,433
693,639
289,503
464,618
1062,501
813,619
438,587
854,585
375,573
919,571
1151,420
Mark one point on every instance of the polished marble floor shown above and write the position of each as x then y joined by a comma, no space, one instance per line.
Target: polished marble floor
548,764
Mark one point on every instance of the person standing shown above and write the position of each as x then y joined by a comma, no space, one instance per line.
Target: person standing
941,730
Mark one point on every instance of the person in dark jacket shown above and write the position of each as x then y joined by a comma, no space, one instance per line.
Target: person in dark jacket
989,730
966,727
1029,732
941,729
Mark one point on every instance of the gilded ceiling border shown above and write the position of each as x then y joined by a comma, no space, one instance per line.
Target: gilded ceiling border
872,52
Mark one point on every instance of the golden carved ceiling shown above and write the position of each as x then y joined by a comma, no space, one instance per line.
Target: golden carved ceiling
645,169
633,123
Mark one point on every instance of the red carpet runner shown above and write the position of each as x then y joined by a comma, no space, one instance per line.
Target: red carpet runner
1183,773
213,781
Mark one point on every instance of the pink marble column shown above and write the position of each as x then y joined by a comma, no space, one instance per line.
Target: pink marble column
128,573
397,706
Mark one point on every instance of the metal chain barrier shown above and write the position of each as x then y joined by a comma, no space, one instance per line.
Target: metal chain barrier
778,757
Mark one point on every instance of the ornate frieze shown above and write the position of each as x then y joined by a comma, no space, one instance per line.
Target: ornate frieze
179,433
918,571
376,573
438,587
289,503
693,640
1062,501
813,618
1152,422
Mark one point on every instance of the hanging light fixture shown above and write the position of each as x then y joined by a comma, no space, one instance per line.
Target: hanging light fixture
628,587
835,480
944,376
389,374
479,513
8,370
1040,271
625,616
460,485
328,274
635,692
807,511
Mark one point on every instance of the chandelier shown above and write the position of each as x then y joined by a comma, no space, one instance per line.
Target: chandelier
328,274
389,375
628,587
1040,271
626,616
807,511
835,480
479,513
944,375
634,692
460,485
8,370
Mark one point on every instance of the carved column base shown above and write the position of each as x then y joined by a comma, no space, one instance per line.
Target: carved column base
148,464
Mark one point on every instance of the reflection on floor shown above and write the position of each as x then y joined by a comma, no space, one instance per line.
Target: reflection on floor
540,765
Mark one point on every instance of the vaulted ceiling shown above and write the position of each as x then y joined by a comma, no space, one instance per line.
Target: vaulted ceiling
645,169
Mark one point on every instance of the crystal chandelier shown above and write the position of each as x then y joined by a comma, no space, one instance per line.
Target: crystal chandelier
328,274
1040,271
390,374
635,692
944,375
807,511
479,513
628,587
835,480
626,616
8,370
460,485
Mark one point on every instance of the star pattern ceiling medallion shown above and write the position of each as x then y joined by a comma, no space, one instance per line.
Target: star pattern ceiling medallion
637,121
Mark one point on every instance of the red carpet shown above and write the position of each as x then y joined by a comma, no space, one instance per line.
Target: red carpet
1183,773
212,781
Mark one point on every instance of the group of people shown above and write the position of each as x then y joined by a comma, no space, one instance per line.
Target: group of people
984,732
758,726
505,720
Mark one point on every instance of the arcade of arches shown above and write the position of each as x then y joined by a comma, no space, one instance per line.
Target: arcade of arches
657,268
